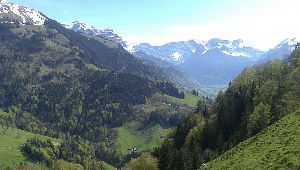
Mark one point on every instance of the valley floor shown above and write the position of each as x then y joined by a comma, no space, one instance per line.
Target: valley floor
143,139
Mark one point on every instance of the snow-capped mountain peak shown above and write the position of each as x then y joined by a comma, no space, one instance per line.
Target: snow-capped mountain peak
84,28
239,43
199,42
10,12
217,43
174,52
80,26
281,51
235,48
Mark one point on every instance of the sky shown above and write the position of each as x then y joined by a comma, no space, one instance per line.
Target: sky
261,23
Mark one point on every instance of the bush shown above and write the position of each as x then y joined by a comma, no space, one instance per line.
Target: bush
146,162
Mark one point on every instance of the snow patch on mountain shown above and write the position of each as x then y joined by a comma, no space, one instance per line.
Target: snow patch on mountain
176,56
235,54
130,47
10,12
35,16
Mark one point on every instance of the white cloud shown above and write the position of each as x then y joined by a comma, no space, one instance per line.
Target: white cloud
262,28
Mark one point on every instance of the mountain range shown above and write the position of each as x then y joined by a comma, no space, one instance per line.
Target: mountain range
211,64
217,61
180,52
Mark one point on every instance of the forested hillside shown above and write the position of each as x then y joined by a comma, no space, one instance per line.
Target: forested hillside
256,99
62,84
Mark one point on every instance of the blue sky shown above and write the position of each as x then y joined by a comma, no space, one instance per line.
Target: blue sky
160,21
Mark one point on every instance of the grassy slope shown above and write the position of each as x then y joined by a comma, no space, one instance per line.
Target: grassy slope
148,138
277,147
11,140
